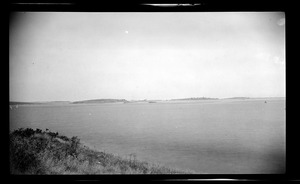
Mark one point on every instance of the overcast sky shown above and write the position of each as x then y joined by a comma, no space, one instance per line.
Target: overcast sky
78,56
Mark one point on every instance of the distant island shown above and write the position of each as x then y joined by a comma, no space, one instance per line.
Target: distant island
99,101
197,98
38,103
238,98
22,103
124,101
143,101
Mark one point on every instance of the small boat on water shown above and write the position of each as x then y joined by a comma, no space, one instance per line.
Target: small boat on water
265,101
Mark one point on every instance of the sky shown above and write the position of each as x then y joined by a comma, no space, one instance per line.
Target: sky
70,56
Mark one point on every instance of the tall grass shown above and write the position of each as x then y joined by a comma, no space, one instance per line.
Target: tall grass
45,152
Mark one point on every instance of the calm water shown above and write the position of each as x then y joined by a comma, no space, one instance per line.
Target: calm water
218,137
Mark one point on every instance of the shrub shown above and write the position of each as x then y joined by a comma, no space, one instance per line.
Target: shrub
22,155
73,148
24,133
52,134
63,138
38,131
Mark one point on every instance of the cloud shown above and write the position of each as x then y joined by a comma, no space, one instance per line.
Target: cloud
281,22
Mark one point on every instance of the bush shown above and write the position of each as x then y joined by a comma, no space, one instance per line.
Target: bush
73,150
22,156
64,138
24,133
52,134
26,150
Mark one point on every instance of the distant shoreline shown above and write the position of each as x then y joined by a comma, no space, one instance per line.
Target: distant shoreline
123,101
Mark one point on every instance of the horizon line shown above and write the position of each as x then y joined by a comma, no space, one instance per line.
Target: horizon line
144,99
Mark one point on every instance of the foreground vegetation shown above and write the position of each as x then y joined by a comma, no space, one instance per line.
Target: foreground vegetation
45,152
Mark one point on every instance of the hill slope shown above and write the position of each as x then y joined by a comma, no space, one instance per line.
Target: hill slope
44,152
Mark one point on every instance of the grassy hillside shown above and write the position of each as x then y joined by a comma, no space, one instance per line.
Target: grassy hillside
45,152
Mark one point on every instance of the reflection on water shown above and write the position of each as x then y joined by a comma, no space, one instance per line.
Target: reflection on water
224,136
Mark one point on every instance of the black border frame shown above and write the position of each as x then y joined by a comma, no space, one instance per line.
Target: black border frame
205,6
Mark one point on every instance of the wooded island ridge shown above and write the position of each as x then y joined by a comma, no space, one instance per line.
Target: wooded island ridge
100,101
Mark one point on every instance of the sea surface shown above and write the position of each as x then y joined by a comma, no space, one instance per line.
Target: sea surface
207,136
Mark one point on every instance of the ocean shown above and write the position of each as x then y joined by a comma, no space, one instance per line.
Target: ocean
227,136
